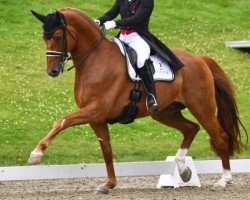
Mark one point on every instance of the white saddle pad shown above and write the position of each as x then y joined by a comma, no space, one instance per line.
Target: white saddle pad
162,70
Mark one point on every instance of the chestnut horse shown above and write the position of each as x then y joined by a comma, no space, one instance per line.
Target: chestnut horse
102,90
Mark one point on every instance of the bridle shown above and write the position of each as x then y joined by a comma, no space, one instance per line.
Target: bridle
64,54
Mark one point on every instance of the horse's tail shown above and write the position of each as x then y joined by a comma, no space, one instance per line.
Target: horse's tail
227,110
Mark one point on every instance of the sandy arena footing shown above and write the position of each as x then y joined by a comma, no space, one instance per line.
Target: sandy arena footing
128,188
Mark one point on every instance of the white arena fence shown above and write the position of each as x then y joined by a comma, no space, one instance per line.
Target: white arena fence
122,169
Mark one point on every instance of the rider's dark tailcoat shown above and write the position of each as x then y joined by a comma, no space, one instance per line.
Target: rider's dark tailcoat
135,14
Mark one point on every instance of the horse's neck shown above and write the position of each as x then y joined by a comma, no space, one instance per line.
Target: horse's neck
96,61
84,30
103,69
85,41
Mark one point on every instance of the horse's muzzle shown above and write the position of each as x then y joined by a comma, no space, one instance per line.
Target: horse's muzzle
55,71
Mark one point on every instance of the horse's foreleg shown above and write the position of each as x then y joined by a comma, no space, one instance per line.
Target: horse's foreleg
189,130
79,117
102,132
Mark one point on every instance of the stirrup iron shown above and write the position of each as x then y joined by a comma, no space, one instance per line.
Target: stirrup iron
154,106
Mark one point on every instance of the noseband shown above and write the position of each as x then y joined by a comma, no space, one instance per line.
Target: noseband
64,54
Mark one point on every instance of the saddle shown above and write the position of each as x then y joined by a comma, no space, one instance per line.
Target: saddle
160,70
132,55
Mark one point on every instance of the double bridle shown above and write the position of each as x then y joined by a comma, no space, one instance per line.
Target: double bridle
64,54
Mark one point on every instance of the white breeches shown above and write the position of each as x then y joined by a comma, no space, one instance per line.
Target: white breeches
139,45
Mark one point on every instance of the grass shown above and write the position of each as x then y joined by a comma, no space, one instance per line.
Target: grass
30,101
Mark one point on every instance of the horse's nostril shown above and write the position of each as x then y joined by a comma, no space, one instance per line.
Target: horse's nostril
53,73
55,70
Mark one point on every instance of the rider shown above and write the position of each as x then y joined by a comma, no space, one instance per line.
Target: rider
134,31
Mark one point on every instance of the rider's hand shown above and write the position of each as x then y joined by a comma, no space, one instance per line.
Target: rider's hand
109,25
98,23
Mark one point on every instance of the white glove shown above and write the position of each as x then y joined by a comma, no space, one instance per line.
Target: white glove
98,23
109,25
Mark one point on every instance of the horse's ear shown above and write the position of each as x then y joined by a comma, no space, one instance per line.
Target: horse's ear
39,16
57,16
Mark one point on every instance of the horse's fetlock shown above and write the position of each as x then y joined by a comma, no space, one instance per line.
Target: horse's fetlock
43,145
111,184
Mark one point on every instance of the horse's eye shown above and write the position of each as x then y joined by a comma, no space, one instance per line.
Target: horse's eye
57,38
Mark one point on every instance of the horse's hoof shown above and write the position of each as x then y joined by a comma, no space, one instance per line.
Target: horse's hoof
35,158
219,186
186,175
101,190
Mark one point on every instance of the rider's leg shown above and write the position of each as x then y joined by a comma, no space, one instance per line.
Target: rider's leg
143,52
147,78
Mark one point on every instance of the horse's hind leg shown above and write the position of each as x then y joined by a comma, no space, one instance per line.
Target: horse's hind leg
189,130
218,140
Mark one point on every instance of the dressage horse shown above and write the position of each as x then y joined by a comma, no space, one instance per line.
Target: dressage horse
102,90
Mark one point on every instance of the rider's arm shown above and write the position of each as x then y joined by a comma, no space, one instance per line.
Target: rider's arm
112,13
143,13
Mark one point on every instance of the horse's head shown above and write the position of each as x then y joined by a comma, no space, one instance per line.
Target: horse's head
59,41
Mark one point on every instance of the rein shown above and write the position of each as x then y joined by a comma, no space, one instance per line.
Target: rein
65,55
87,53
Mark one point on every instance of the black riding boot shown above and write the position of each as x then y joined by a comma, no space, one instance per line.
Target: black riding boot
148,82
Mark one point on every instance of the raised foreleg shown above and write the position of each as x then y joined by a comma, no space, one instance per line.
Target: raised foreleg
82,116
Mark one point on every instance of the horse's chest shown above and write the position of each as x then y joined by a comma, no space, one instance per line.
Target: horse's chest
80,95
79,98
